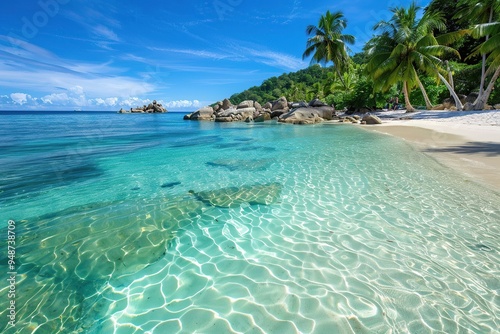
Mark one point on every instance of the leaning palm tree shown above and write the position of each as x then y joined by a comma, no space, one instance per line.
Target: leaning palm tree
491,48
479,12
406,47
327,43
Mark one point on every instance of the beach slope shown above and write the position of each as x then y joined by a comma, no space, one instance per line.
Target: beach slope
468,142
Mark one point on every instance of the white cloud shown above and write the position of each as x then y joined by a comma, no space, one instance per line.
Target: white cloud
294,13
96,23
75,97
20,98
107,102
237,53
77,90
135,102
268,57
55,98
111,101
182,104
65,99
105,32
5,100
30,66
277,59
93,85
197,53
130,56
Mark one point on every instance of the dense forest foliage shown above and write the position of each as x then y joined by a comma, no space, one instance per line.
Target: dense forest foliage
445,42
320,82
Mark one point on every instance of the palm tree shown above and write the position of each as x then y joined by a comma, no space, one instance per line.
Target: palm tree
481,12
406,47
327,43
491,47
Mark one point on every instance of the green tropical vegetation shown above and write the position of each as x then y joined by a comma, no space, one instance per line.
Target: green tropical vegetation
406,49
449,49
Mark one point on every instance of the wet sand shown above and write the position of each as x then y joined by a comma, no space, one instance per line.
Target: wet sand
473,150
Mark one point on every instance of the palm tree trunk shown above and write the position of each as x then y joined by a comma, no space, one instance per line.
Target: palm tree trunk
450,75
483,77
483,99
452,92
409,107
428,103
483,66
340,77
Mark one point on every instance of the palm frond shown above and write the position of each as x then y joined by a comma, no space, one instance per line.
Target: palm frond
327,43
452,37
481,30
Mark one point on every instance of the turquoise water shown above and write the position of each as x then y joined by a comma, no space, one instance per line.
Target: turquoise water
152,224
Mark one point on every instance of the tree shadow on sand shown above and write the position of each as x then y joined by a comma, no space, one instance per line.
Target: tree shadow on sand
490,149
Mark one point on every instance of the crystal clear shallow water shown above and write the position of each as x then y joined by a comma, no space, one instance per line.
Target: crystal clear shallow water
137,223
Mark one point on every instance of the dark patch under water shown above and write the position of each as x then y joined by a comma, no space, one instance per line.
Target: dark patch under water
228,145
243,139
170,184
241,164
206,140
257,148
480,248
56,173
265,194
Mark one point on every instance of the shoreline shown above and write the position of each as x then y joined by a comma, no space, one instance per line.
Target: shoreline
464,142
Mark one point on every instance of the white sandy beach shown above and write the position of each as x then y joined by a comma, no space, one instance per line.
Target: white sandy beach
468,142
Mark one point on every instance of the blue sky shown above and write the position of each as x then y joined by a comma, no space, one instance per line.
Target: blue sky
104,55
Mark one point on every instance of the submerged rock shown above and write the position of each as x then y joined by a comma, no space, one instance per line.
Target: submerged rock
237,164
235,196
170,184
481,248
65,259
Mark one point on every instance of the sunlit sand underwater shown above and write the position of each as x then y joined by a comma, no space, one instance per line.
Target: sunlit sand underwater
149,224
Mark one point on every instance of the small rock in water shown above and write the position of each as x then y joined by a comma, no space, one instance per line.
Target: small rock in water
170,184
481,248
264,194
135,188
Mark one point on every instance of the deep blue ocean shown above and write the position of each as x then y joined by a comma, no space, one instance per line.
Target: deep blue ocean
147,223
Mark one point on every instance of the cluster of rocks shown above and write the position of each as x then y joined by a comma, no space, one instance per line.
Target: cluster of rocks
153,107
356,119
467,101
252,111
